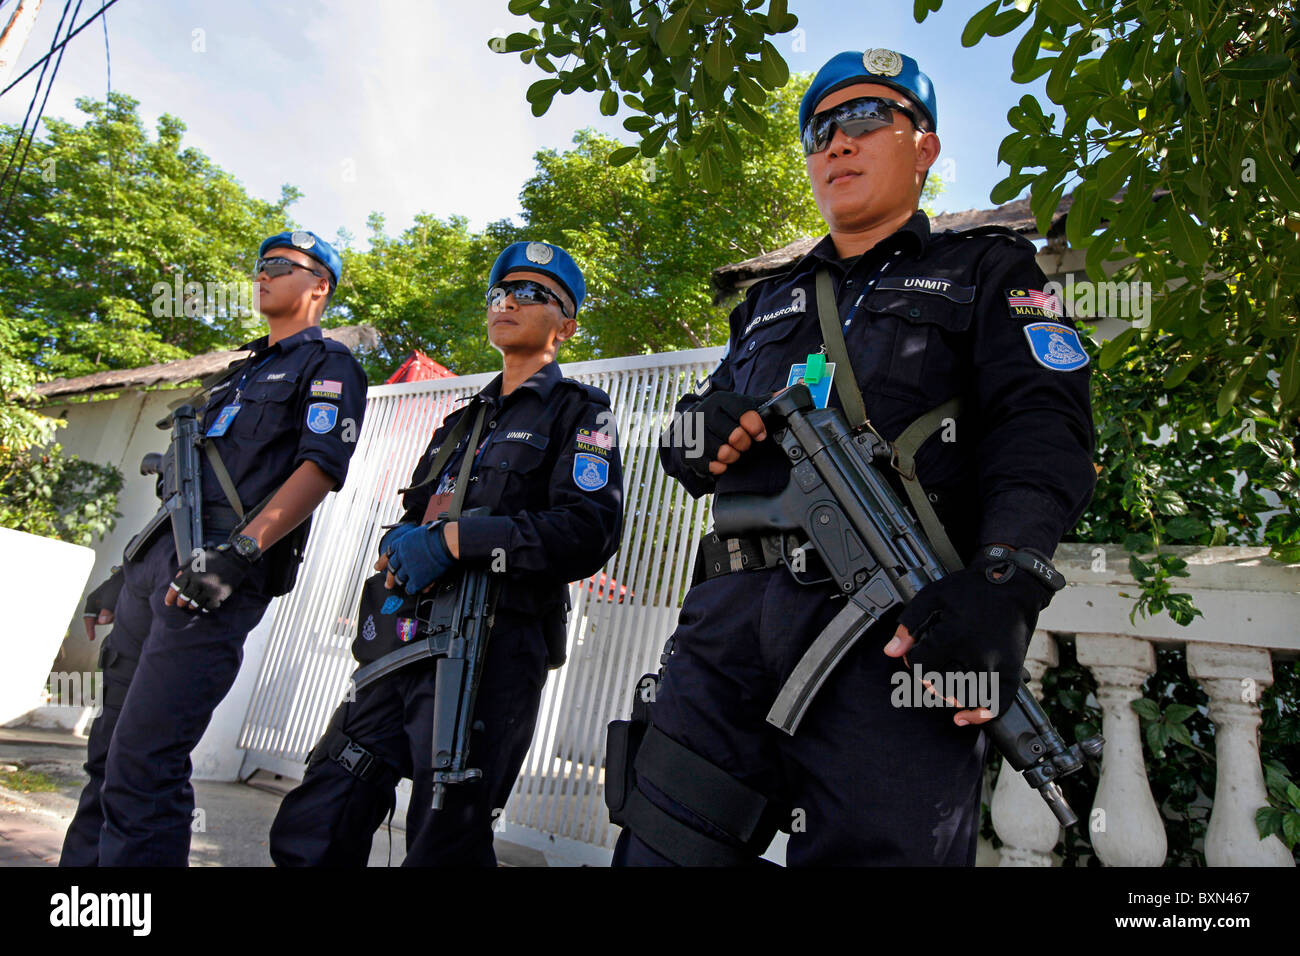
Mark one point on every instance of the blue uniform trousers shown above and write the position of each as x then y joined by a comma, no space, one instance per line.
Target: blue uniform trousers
862,782
331,817
165,670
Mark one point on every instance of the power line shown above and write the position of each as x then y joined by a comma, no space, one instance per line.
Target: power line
59,48
22,130
31,135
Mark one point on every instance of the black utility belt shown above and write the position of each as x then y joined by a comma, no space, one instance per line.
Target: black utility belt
718,555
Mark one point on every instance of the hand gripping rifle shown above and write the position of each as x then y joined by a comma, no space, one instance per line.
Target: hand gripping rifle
455,621
879,557
181,491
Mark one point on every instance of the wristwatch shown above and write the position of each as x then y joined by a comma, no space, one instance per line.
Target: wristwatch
246,548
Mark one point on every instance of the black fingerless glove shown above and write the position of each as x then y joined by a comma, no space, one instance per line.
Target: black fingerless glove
211,577
719,414
972,622
104,597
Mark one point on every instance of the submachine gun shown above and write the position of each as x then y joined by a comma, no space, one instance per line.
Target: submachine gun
879,557
455,619
180,487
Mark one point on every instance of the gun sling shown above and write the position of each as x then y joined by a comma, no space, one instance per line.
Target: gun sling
434,645
907,443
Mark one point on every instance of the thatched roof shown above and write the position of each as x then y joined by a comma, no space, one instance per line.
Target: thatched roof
730,279
183,370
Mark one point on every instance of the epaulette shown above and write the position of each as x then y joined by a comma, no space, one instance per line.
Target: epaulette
1002,231
333,345
594,394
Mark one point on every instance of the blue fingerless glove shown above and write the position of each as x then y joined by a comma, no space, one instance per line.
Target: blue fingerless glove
395,534
420,558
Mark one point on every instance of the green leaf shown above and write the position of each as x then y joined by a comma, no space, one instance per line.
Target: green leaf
1293,795
1262,66
1081,219
1186,238
523,7
1169,502
974,31
1006,21
674,34
623,156
1268,821
1026,53
1185,527
1289,382
718,61
1291,829
609,103
1065,12
1112,350
518,42
1177,713
1228,394
1010,188
1179,733
1112,172
710,174
1146,709
1280,180
653,141
543,91
774,72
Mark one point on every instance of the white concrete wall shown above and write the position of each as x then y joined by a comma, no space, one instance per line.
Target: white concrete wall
117,431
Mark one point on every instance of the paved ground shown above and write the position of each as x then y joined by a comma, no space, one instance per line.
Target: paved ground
230,831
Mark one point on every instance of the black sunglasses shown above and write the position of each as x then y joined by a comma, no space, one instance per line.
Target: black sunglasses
526,292
855,117
275,266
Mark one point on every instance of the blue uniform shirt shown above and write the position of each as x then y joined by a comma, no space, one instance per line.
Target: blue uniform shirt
550,470
301,399
943,315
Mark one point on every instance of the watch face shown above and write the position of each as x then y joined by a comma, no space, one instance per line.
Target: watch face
246,546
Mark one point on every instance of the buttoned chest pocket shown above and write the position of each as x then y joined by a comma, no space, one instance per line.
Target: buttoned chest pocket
922,343
511,471
268,407
762,360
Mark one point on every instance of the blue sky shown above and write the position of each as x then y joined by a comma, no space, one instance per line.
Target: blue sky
399,107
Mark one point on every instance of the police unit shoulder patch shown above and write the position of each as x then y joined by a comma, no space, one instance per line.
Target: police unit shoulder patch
391,605
590,472
1055,346
406,628
326,388
368,632
321,417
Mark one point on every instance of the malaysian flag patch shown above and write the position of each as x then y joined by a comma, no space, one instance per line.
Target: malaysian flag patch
326,388
1034,303
593,439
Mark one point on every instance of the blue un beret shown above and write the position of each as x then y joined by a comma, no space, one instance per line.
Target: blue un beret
545,258
886,67
307,242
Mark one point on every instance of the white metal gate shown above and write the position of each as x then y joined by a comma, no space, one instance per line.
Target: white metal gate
612,642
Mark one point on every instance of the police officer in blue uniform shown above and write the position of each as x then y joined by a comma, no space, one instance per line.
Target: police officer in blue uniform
546,464
953,332
279,430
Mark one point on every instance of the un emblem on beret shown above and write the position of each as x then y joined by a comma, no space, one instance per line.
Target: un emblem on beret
538,252
882,62
303,240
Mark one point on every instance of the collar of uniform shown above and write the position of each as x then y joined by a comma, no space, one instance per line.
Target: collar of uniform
542,382
310,334
911,236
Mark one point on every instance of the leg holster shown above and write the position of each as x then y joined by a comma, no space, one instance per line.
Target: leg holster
355,759
122,669
638,752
